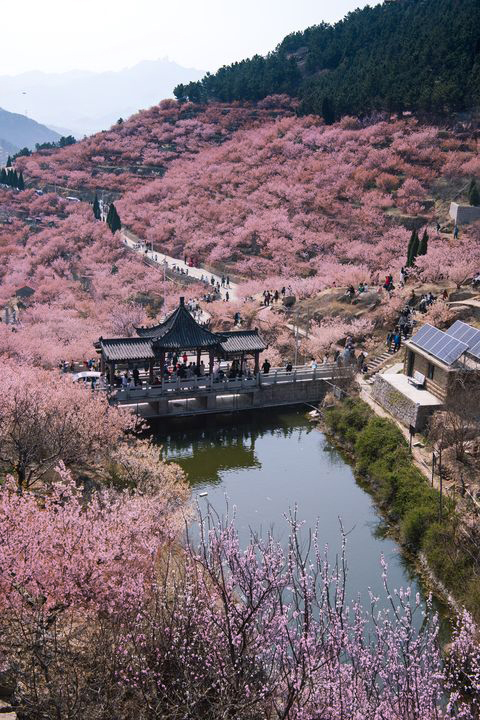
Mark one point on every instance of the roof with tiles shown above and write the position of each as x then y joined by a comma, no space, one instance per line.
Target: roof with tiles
245,341
121,349
180,332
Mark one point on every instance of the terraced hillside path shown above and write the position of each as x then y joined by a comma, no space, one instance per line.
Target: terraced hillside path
138,245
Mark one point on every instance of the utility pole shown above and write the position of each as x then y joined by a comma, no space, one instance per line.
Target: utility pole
164,285
440,473
296,344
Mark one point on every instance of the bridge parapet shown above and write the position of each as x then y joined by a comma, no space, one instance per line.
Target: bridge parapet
204,395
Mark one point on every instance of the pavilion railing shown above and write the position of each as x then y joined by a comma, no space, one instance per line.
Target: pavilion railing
209,383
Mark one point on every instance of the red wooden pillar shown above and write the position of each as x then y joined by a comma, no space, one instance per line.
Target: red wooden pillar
257,362
199,357
150,370
211,357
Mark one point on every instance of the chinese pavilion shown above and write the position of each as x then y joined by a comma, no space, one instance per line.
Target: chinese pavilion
178,333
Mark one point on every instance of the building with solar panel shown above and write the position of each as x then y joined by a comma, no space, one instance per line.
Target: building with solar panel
439,356
434,363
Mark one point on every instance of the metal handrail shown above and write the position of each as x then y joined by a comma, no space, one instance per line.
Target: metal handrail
207,383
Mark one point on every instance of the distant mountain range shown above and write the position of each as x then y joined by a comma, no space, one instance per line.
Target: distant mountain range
18,131
81,102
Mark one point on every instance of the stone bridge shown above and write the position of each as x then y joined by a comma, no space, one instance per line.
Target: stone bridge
203,395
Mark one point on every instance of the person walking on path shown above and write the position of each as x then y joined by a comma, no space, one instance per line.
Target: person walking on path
455,232
397,340
361,360
266,367
227,296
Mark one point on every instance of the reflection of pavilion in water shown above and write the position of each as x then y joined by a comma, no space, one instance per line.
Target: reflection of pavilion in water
205,453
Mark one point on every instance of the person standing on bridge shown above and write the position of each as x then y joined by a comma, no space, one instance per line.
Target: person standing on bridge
266,367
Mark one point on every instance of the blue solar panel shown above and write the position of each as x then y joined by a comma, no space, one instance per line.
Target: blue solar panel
467,334
475,351
444,347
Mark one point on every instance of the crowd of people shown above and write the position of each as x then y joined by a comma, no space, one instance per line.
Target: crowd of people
403,326
182,368
271,297
351,293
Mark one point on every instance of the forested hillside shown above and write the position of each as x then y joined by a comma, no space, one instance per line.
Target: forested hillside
143,147
401,55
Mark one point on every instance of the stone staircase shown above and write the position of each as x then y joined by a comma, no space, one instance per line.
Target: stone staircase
375,363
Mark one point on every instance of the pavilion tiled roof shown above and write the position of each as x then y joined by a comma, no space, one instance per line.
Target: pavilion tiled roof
122,349
180,332
238,341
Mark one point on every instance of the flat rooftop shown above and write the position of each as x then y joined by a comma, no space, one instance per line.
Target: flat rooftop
419,396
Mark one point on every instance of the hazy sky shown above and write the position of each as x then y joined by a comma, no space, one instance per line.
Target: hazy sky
60,35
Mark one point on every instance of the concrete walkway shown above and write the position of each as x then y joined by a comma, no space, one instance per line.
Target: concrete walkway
138,245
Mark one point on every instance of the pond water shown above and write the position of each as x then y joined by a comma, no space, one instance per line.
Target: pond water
268,462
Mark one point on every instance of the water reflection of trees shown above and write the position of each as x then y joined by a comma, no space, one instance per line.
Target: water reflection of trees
226,443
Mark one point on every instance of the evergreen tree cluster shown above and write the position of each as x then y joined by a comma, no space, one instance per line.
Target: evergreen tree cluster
473,193
12,178
419,55
64,141
96,208
416,247
113,219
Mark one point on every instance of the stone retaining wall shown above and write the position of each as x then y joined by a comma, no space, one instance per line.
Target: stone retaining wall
464,214
401,407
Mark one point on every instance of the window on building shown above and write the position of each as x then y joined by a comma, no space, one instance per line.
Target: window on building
431,370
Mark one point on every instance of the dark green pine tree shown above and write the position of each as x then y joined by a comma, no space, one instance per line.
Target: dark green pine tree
409,249
3,176
412,251
473,194
113,219
96,208
12,178
21,182
423,245
117,225
328,111
109,216
9,161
